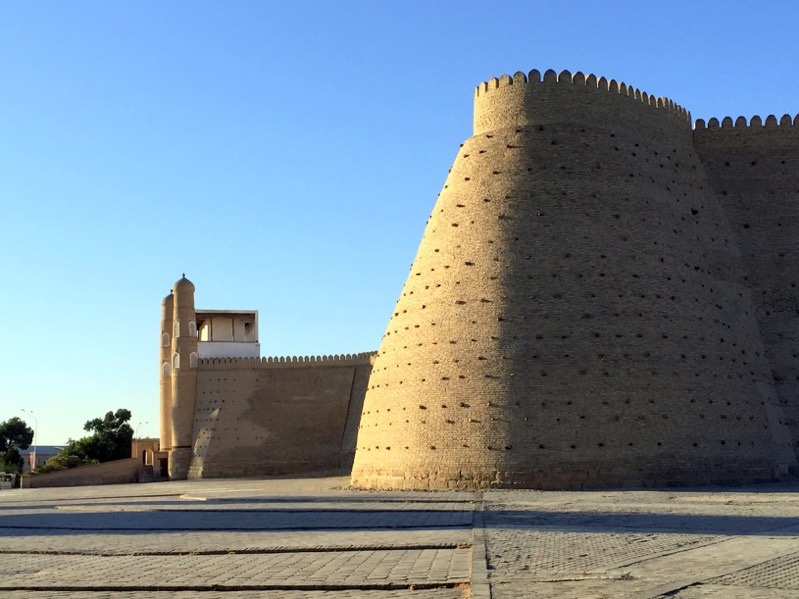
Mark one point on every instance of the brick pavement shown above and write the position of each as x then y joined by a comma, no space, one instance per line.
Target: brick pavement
642,544
234,539
315,539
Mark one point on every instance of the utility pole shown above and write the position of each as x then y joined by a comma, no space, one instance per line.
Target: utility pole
140,424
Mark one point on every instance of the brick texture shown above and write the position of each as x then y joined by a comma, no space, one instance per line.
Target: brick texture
580,311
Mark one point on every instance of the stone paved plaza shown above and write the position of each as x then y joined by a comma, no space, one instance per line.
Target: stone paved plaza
313,538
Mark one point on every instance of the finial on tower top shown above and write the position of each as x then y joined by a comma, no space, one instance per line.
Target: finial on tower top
183,284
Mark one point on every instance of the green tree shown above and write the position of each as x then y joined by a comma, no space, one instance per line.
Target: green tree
110,440
63,461
15,434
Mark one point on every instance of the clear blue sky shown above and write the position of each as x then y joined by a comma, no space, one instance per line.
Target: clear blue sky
284,155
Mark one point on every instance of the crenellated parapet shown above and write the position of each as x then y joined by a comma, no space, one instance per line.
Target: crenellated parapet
590,81
533,98
751,141
358,359
754,123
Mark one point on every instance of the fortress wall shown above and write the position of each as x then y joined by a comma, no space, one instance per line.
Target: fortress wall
753,167
257,417
575,316
525,100
289,361
349,439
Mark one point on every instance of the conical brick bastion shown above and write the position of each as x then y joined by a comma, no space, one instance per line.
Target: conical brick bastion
580,312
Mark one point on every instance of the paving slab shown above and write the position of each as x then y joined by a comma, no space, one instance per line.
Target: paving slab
292,538
641,544
315,538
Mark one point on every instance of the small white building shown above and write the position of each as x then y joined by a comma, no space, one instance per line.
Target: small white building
43,453
228,334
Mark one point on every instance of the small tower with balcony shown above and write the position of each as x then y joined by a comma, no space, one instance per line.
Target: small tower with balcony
187,336
228,334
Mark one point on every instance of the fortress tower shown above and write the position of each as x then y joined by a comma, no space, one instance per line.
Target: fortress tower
165,374
578,313
226,411
178,376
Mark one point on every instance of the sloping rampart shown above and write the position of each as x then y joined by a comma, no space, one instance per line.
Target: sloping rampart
753,169
576,315
258,417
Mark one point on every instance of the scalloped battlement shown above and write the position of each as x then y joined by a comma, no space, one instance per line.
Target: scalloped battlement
754,123
293,361
498,88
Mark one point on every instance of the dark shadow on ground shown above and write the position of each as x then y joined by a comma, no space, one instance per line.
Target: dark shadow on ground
98,520
203,519
641,522
178,502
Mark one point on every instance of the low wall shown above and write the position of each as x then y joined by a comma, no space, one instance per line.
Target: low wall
109,473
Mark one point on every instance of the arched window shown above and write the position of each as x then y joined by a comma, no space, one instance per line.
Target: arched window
165,369
165,339
176,329
192,329
193,359
175,361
